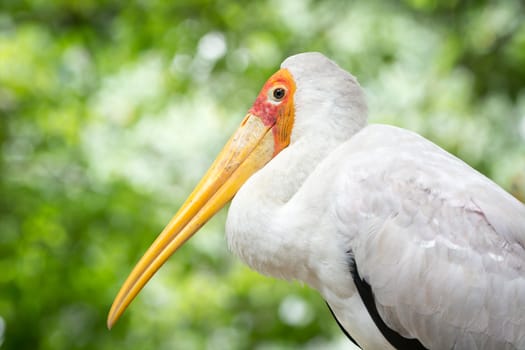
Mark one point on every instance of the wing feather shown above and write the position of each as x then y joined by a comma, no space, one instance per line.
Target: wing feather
442,246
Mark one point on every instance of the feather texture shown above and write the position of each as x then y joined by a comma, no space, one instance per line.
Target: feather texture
446,266
441,246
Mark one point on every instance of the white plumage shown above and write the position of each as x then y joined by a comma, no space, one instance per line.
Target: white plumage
442,246
410,246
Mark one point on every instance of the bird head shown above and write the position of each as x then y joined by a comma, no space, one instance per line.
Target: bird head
308,92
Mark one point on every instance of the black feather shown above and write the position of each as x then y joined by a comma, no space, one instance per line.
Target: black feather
341,326
367,295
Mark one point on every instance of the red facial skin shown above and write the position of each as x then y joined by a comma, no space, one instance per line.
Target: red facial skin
279,114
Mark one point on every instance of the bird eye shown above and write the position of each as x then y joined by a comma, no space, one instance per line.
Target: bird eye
278,93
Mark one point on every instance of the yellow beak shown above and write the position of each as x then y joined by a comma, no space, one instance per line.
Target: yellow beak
248,150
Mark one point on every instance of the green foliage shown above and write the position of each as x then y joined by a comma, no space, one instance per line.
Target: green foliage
110,111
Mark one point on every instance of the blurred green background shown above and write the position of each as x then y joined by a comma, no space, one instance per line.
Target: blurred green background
110,111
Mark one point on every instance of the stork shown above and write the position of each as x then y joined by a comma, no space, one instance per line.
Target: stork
410,247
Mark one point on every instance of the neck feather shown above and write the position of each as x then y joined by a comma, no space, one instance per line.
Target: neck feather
260,229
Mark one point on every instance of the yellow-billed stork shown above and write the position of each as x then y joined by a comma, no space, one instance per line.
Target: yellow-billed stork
410,247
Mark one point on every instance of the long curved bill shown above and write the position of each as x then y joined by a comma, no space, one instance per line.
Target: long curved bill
248,150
